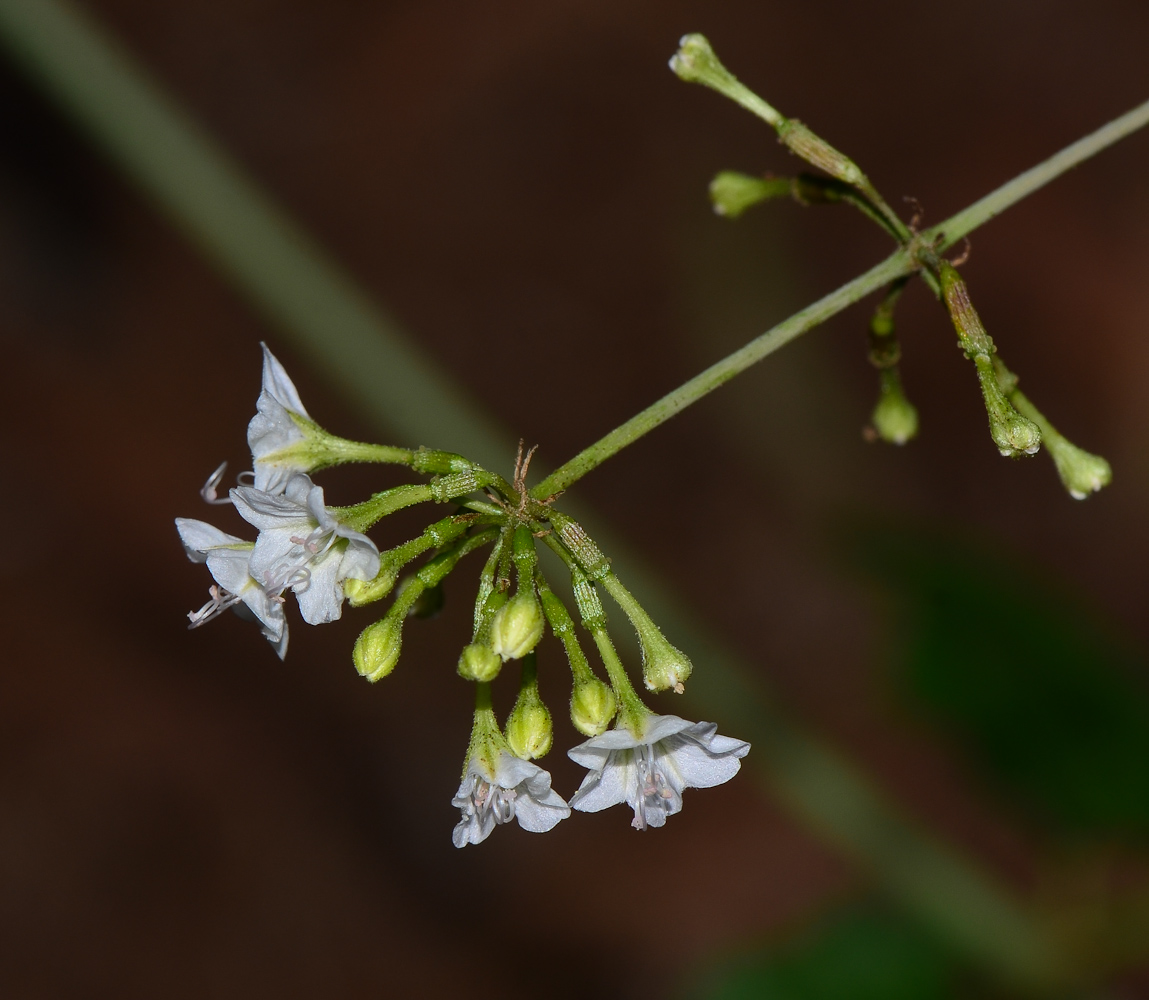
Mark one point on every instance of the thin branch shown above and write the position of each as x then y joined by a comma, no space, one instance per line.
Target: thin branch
947,233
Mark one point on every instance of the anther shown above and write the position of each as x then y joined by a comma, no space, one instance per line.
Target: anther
208,491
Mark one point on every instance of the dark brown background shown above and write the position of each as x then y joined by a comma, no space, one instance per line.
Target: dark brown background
523,185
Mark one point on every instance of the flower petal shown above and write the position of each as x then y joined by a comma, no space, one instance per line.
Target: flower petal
198,537
659,727
613,781
696,767
321,596
538,815
268,511
272,429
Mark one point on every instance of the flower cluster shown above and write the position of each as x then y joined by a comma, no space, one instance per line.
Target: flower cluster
323,556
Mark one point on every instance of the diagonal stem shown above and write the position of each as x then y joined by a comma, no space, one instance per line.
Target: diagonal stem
895,266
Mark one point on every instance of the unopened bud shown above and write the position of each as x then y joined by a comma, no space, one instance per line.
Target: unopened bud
1081,472
360,592
593,705
731,193
663,665
1011,432
529,730
895,418
377,649
478,662
517,626
695,62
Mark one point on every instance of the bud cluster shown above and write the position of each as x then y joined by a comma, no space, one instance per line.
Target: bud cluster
1016,426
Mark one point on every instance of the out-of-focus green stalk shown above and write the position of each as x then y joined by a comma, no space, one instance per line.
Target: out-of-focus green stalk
258,248
268,257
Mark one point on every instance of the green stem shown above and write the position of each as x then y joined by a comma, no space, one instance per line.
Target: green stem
893,267
900,263
344,451
363,515
958,226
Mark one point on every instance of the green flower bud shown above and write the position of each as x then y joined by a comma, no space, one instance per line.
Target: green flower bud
894,418
1080,472
1011,432
731,193
593,705
663,665
360,592
478,662
529,729
696,62
517,626
377,649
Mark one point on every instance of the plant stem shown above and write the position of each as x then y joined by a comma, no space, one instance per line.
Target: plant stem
893,267
958,226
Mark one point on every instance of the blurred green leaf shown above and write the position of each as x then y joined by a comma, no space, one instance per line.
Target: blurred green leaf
860,956
1027,676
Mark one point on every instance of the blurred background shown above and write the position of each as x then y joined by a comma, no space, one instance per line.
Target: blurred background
522,187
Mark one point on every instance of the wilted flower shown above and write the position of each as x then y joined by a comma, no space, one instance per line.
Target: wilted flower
648,767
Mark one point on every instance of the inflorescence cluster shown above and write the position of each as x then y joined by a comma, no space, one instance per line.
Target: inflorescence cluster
323,556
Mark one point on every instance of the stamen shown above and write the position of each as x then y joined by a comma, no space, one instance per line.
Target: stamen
655,793
493,799
293,569
220,601
208,490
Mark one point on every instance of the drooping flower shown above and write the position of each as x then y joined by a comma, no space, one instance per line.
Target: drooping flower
496,791
301,546
276,434
228,559
649,762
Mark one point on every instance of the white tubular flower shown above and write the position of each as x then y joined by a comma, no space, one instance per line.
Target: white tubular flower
274,434
649,769
511,789
228,559
302,547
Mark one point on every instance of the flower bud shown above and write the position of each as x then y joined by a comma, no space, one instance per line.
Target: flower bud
1011,432
663,666
377,649
1080,472
895,418
517,626
593,705
731,193
360,592
696,62
478,662
529,728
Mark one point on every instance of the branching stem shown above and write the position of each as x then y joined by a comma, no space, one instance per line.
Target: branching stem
898,264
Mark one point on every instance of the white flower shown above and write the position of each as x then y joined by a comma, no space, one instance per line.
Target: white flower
274,432
648,770
303,547
227,559
515,789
